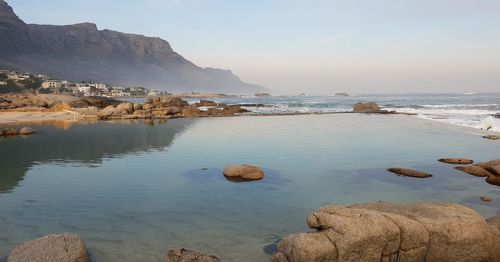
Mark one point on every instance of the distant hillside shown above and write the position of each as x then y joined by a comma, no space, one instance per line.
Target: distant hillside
82,52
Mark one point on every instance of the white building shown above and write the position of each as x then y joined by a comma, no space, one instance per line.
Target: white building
52,84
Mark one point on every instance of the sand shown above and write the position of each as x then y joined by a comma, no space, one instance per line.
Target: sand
20,117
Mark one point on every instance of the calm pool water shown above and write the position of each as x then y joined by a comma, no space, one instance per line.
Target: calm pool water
134,189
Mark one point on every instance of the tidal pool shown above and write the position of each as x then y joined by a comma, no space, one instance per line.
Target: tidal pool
133,189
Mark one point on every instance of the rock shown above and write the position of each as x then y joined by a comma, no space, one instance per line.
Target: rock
146,106
369,107
456,161
137,106
106,112
392,232
206,103
52,248
262,94
60,107
409,172
493,180
184,255
243,172
341,94
26,131
125,107
474,170
488,164
9,132
492,137
495,170
486,198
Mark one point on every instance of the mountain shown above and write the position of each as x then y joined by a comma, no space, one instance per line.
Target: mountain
83,52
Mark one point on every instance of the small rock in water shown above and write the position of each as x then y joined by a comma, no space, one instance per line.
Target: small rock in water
474,170
26,131
204,168
486,198
184,255
369,107
492,137
409,172
9,132
456,161
52,248
243,172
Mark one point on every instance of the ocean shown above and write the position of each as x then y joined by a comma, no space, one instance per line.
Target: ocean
471,110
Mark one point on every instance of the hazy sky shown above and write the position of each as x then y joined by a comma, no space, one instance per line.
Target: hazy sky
313,46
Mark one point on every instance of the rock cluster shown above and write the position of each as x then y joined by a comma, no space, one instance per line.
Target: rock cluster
243,172
13,132
394,232
47,101
368,107
52,248
489,169
101,108
184,255
164,107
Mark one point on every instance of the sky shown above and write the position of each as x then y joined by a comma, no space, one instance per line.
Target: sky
313,46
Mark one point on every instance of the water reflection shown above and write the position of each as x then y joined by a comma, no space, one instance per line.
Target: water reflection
75,142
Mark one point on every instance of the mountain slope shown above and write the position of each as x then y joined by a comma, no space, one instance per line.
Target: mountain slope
82,52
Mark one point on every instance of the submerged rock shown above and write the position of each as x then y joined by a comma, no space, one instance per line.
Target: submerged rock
26,131
184,255
243,172
52,248
9,132
456,161
393,232
409,172
486,198
369,107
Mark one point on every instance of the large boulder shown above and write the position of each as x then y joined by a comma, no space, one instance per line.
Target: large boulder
184,255
243,172
369,107
125,107
52,248
393,232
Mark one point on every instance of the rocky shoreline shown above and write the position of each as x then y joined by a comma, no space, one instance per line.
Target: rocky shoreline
159,107
364,232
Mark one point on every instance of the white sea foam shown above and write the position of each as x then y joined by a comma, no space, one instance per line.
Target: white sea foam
490,123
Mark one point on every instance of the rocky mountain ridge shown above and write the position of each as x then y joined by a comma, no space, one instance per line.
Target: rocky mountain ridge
83,52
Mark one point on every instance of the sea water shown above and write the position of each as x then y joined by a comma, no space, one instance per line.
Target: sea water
134,189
